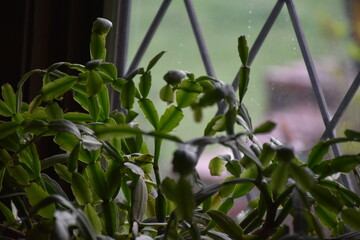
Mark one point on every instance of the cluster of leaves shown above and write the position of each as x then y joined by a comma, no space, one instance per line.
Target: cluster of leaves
112,188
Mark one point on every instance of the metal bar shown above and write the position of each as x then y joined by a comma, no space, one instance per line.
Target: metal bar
314,79
123,30
149,35
199,38
342,107
121,44
261,37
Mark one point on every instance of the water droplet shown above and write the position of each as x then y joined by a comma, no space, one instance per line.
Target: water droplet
293,39
249,21
181,44
249,27
179,62
250,12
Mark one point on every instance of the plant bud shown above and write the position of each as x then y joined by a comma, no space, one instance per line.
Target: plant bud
174,77
90,65
101,26
184,160
285,154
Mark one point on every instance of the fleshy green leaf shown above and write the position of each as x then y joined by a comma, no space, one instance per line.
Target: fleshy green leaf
145,84
243,50
94,108
9,96
57,87
243,81
96,177
328,200
128,95
80,189
280,177
94,83
303,178
170,119
352,218
64,126
167,94
265,127
104,103
216,124
112,131
216,166
149,111
5,110
8,128
35,195
53,112
187,93
317,153
93,217
327,218
90,143
154,60
226,224
185,202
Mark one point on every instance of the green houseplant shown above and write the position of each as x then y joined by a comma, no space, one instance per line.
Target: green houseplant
115,190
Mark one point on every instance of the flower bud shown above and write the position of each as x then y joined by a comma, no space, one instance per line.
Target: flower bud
184,160
101,26
174,77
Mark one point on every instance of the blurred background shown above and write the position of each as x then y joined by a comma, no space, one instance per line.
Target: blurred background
37,33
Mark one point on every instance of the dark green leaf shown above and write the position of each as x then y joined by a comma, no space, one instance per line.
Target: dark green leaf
35,103
57,87
154,60
73,158
265,127
119,84
9,96
94,108
324,197
170,119
212,96
82,99
230,118
53,112
185,202
8,128
167,94
145,84
139,200
5,110
113,178
352,218
243,81
104,103
109,210
149,111
187,93
233,167
109,69
77,117
94,83
35,195
97,46
90,143
168,187
216,124
267,153
226,224
7,213
19,174
226,205
63,172
303,178
80,189
327,218
128,95
112,131
352,134
93,217
64,126
243,50
317,153
52,186
96,177
279,177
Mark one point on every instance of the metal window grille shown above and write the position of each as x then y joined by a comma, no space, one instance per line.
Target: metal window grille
123,13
